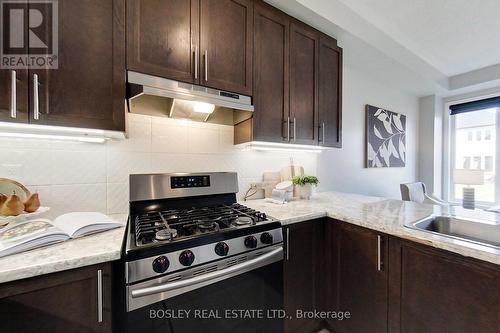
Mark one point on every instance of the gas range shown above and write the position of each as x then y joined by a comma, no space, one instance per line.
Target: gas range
187,230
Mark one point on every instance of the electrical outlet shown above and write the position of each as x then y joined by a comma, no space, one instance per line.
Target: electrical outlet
256,186
12,171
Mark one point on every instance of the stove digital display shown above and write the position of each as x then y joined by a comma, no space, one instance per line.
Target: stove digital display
189,181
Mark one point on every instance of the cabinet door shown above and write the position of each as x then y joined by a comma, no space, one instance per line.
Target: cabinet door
443,292
271,34
88,88
330,92
14,95
162,38
300,274
226,43
303,83
58,303
361,278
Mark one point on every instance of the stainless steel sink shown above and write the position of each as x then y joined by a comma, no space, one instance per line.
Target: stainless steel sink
475,231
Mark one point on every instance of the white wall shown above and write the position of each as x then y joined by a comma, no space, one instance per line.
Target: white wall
83,176
344,169
431,144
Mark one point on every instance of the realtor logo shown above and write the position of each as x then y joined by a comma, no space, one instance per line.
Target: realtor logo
29,34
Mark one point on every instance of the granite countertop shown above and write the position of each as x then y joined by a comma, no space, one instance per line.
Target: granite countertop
381,214
89,250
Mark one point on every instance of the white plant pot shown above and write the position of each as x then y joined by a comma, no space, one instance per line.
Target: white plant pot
306,191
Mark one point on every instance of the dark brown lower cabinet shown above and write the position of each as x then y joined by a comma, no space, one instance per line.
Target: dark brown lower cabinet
61,302
359,278
397,286
435,291
301,264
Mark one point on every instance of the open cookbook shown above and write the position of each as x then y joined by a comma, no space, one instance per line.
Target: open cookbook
31,234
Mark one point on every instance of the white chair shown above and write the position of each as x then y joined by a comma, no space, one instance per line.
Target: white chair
417,192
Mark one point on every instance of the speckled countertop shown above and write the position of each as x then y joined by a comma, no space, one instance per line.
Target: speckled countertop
384,215
84,251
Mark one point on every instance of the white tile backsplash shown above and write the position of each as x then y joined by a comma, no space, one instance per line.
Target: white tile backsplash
73,176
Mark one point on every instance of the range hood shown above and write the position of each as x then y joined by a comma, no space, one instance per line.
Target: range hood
157,96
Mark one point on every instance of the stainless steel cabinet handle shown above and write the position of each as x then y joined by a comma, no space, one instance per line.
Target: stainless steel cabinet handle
13,95
206,65
271,256
288,129
287,243
196,61
379,255
294,129
99,296
323,134
36,105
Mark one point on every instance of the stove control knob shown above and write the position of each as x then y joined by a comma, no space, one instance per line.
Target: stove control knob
186,258
251,242
266,238
160,264
221,249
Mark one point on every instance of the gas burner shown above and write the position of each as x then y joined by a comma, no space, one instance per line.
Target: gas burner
166,234
243,220
208,225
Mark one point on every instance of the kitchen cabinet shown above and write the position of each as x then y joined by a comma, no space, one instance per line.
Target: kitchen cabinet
300,267
163,38
88,88
226,42
77,300
304,53
207,42
437,291
360,276
330,93
14,95
271,90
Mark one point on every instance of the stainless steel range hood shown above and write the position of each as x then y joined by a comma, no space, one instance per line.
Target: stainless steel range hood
157,96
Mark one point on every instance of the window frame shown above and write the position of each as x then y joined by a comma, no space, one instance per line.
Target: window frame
449,153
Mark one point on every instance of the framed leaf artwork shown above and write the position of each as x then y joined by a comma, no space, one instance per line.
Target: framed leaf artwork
385,138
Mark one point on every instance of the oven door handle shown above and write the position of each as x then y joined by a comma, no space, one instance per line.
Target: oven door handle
270,256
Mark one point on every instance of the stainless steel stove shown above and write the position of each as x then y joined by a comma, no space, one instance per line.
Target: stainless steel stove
189,244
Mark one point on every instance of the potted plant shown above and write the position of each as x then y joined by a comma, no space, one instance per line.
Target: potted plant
305,184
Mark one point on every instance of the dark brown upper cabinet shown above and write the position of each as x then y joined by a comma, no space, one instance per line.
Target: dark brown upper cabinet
206,42
14,95
304,55
226,43
163,38
88,88
330,93
271,89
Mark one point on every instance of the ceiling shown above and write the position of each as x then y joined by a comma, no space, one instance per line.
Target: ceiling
454,36
444,47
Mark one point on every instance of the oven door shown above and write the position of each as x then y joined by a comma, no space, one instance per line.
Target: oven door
239,294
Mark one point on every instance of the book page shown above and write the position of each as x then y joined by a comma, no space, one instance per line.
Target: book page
82,223
27,235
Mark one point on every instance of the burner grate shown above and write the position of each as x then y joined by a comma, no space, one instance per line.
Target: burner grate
173,225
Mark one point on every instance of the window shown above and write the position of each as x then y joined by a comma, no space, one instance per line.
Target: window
466,164
474,128
477,162
488,163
